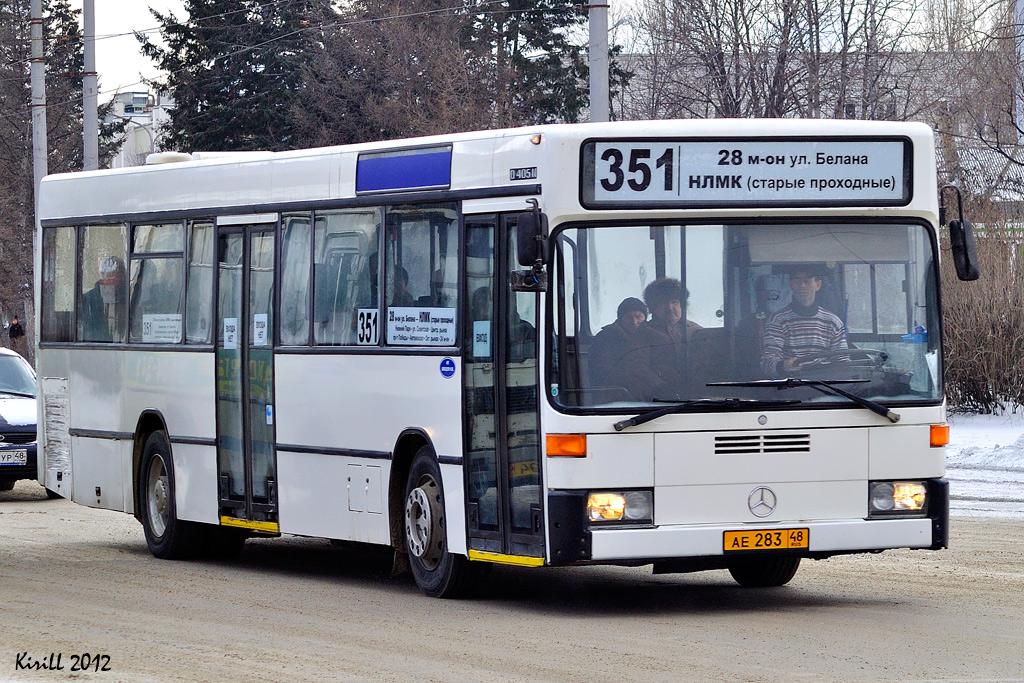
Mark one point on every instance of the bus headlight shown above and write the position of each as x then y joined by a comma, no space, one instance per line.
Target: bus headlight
636,507
897,498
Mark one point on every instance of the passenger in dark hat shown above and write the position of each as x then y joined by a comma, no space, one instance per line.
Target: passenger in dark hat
615,359
664,335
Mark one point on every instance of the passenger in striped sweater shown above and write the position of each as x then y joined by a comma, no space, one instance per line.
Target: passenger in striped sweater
802,329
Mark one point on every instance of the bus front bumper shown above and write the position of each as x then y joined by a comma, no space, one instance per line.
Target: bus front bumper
825,538
573,541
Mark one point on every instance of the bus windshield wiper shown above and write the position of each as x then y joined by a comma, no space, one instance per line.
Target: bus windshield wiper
713,402
824,386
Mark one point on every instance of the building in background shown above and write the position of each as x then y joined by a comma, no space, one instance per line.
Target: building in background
144,115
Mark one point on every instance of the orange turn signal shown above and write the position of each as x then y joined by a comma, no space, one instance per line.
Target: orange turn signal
568,445
940,435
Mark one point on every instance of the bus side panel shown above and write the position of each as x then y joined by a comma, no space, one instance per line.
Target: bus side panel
54,444
98,472
195,482
333,497
349,406
452,479
100,459
178,385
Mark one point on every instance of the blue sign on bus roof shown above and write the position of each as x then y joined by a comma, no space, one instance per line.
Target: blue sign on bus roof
408,169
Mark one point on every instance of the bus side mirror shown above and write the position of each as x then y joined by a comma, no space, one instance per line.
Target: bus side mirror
961,237
965,251
530,238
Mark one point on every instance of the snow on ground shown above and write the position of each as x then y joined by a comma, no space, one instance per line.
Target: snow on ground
985,465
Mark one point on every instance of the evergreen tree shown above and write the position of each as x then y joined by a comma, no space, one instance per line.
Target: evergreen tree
536,72
234,70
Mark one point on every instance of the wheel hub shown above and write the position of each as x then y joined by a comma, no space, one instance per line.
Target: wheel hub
424,524
159,503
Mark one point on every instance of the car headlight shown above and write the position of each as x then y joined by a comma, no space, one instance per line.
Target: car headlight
632,507
897,498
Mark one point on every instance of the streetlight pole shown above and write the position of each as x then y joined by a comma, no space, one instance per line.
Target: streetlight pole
598,48
90,108
38,75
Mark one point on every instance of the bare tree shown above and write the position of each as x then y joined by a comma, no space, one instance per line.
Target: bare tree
771,58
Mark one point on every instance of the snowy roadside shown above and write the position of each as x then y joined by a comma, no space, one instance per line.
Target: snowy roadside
985,465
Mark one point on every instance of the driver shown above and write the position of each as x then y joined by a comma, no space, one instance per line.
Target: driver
803,329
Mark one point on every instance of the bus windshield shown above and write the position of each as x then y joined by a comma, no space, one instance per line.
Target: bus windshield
648,313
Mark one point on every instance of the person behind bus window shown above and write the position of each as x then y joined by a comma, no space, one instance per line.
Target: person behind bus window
400,289
616,359
101,315
803,329
663,336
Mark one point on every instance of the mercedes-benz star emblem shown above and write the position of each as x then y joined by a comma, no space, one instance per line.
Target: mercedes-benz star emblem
762,501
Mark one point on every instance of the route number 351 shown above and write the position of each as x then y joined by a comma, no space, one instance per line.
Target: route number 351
637,168
367,329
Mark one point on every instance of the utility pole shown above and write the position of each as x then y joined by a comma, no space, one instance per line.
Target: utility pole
1018,45
38,76
90,108
599,98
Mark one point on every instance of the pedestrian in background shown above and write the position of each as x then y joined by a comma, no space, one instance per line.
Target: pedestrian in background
17,334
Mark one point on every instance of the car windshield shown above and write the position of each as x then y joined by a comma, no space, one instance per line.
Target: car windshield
16,377
644,314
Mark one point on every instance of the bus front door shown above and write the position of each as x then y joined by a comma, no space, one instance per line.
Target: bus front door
504,494
246,462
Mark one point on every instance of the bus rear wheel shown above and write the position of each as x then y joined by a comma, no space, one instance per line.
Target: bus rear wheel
167,537
763,572
437,572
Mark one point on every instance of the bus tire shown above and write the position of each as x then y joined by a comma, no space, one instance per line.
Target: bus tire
7,484
438,573
763,572
168,537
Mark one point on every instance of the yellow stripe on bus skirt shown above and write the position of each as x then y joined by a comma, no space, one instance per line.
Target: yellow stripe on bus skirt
518,560
262,527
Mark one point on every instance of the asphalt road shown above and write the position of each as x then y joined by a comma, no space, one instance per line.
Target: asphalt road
76,581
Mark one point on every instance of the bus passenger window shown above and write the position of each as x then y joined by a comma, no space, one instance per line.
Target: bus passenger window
345,270
58,285
156,286
421,255
199,297
296,243
102,306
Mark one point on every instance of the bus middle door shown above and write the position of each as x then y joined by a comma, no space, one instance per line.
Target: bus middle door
246,458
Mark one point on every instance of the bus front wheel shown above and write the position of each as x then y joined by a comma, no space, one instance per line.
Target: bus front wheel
167,537
437,572
763,572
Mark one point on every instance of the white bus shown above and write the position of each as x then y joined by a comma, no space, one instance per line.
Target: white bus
399,343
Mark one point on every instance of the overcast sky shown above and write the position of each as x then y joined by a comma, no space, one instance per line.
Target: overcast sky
118,59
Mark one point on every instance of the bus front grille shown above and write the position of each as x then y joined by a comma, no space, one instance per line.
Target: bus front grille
762,443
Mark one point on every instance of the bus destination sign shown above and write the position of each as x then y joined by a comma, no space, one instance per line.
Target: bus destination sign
740,172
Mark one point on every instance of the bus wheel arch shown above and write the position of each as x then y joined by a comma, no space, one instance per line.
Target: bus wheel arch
408,445
149,421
